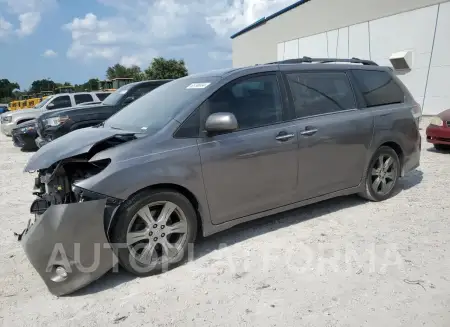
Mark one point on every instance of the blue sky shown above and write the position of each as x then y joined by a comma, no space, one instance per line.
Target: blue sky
74,40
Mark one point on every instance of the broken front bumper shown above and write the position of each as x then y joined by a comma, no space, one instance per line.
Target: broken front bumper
68,247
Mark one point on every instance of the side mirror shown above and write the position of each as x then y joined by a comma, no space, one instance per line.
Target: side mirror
50,105
221,122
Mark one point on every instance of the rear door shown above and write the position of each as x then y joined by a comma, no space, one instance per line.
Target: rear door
333,133
82,98
254,168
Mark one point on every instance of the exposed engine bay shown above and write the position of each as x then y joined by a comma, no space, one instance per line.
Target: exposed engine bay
55,185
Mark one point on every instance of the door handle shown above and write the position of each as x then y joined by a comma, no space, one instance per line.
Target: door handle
309,131
283,136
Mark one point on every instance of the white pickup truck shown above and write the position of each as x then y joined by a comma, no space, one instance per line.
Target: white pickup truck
10,119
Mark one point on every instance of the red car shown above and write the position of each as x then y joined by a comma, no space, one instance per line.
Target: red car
438,132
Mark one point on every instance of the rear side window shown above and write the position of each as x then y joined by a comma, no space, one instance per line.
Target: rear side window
316,93
80,98
378,87
102,96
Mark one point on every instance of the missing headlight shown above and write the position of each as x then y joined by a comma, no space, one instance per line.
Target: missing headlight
86,195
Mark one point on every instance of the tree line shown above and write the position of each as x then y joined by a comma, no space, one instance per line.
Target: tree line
6,89
159,68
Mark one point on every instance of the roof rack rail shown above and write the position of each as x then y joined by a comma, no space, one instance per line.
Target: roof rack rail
324,60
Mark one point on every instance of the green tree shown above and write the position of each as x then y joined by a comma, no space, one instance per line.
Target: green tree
91,85
7,88
161,68
119,70
42,85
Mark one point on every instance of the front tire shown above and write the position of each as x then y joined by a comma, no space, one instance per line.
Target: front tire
442,147
153,230
382,175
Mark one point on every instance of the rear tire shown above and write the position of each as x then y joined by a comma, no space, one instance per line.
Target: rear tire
442,147
382,175
154,229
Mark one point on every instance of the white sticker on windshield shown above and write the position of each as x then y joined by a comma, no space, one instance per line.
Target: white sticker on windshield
123,92
198,85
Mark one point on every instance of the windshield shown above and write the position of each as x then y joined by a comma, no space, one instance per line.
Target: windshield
40,104
114,98
154,110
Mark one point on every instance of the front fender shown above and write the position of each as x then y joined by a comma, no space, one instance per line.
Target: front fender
125,177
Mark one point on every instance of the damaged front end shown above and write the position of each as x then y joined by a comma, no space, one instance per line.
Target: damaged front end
67,243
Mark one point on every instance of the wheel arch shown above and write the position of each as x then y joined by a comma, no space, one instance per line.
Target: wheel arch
397,148
392,142
166,187
23,120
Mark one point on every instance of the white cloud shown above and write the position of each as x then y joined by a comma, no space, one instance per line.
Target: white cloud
49,53
28,22
242,13
129,61
5,27
27,12
142,29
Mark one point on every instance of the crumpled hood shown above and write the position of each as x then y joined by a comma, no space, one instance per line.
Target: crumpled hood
72,144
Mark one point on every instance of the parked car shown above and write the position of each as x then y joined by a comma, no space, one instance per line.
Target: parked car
52,125
210,151
24,135
3,108
438,131
58,101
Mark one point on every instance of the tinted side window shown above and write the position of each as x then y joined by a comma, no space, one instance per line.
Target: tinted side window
255,101
61,102
378,87
320,93
80,98
102,96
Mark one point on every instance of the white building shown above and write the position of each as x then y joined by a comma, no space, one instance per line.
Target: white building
416,30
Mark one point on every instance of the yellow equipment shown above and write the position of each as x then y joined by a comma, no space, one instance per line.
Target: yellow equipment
31,103
14,105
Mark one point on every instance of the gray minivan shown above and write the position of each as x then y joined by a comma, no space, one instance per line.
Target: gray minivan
209,151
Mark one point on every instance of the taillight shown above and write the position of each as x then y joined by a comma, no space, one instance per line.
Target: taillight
416,112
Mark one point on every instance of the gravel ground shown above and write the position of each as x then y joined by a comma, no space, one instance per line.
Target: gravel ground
343,262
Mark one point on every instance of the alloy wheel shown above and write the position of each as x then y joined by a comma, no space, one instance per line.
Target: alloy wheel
384,174
157,231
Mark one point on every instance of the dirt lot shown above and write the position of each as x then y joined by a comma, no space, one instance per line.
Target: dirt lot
343,262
